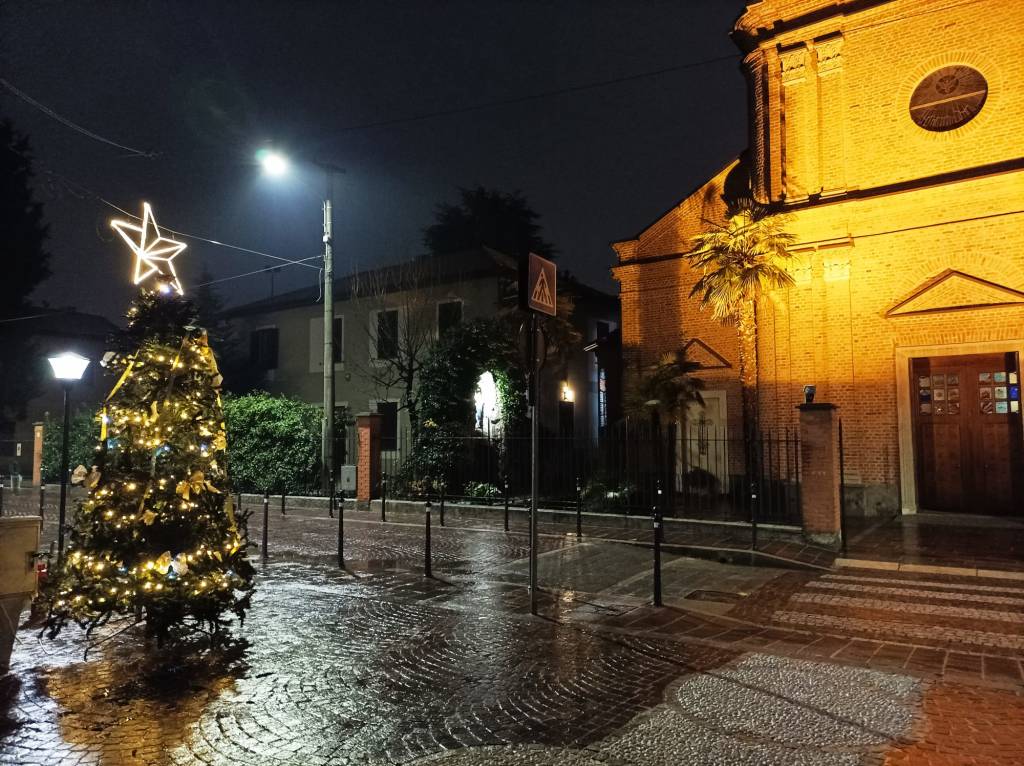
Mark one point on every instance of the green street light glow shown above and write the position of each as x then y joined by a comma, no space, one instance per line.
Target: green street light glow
274,163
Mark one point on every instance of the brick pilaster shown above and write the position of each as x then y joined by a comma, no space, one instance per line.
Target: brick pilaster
819,472
368,426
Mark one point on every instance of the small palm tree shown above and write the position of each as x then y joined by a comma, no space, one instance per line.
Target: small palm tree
739,262
664,388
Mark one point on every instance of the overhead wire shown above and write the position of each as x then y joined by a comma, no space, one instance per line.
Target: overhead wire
257,271
73,125
494,103
81,191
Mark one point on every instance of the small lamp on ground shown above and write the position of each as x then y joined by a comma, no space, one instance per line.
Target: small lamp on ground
67,368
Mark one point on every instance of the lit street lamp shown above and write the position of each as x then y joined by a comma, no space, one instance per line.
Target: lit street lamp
276,165
68,367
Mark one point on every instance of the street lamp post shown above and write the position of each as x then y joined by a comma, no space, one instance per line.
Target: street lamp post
67,368
276,165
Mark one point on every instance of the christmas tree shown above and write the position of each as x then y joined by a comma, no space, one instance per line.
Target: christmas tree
157,537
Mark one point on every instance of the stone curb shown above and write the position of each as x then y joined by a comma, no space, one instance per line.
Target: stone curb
896,566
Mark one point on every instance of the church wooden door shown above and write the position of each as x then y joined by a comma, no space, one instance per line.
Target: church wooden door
967,433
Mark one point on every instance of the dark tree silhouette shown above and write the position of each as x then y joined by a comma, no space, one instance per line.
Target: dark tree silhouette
502,221
25,264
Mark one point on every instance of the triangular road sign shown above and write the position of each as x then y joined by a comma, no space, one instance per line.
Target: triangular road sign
541,285
541,293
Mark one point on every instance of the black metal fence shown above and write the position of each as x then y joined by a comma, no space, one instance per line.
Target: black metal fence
704,472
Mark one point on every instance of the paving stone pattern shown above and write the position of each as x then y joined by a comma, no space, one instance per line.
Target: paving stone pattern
379,665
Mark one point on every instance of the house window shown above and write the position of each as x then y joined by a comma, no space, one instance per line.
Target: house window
263,348
338,351
388,425
387,334
449,314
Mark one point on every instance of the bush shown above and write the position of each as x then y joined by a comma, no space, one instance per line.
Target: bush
83,438
605,497
273,443
482,490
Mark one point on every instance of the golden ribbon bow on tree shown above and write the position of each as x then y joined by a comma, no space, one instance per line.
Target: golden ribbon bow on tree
195,484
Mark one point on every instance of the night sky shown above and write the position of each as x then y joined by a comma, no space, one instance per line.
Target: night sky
204,85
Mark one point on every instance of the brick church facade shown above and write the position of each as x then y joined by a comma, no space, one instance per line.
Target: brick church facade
892,134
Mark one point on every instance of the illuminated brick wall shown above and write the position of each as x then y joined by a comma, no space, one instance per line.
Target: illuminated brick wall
879,205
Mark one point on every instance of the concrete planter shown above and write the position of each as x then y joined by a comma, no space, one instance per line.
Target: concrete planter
19,539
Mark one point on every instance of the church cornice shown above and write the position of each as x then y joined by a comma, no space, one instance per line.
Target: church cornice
750,32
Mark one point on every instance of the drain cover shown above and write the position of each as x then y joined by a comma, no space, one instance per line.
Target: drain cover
714,595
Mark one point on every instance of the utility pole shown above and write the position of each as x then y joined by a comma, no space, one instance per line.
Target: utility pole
327,447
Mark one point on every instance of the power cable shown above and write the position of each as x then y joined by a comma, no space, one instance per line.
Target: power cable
82,191
73,125
257,271
533,96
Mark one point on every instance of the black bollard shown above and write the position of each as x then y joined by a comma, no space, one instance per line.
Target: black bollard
42,501
341,523
657,559
1,498
753,515
383,496
506,505
444,487
238,501
657,547
579,509
282,502
266,521
426,556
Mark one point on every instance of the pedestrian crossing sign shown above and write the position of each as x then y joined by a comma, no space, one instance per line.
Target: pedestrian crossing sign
540,288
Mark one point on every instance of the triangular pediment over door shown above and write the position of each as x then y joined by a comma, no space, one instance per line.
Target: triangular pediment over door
956,291
700,352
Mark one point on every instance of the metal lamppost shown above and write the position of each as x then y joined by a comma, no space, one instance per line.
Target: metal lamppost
276,164
68,368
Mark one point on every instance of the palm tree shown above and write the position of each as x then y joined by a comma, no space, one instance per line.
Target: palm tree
660,393
739,262
664,388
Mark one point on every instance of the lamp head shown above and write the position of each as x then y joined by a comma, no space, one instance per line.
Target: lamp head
68,366
274,163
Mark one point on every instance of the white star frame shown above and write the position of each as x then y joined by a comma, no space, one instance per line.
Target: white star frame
154,253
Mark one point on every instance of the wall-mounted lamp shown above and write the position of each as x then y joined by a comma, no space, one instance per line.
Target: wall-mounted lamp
568,395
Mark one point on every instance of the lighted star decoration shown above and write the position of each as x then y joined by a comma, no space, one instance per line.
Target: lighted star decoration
154,253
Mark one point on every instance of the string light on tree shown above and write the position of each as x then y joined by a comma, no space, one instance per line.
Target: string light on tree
154,253
157,537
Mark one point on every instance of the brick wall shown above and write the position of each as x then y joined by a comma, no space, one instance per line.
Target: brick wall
861,253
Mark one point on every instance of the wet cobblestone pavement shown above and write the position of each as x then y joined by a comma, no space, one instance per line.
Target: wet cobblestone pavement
379,665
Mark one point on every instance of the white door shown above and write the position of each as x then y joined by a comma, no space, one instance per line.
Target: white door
704,440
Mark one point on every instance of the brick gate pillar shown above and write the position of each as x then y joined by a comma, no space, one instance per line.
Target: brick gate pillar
819,472
37,454
368,465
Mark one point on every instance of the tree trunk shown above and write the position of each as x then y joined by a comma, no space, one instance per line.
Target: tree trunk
747,323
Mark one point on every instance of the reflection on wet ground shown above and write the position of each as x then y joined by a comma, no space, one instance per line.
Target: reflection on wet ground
379,667
376,664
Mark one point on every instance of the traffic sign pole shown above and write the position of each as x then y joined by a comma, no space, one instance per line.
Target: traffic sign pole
538,294
534,443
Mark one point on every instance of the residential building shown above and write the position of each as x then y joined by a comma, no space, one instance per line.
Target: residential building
391,314
890,132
